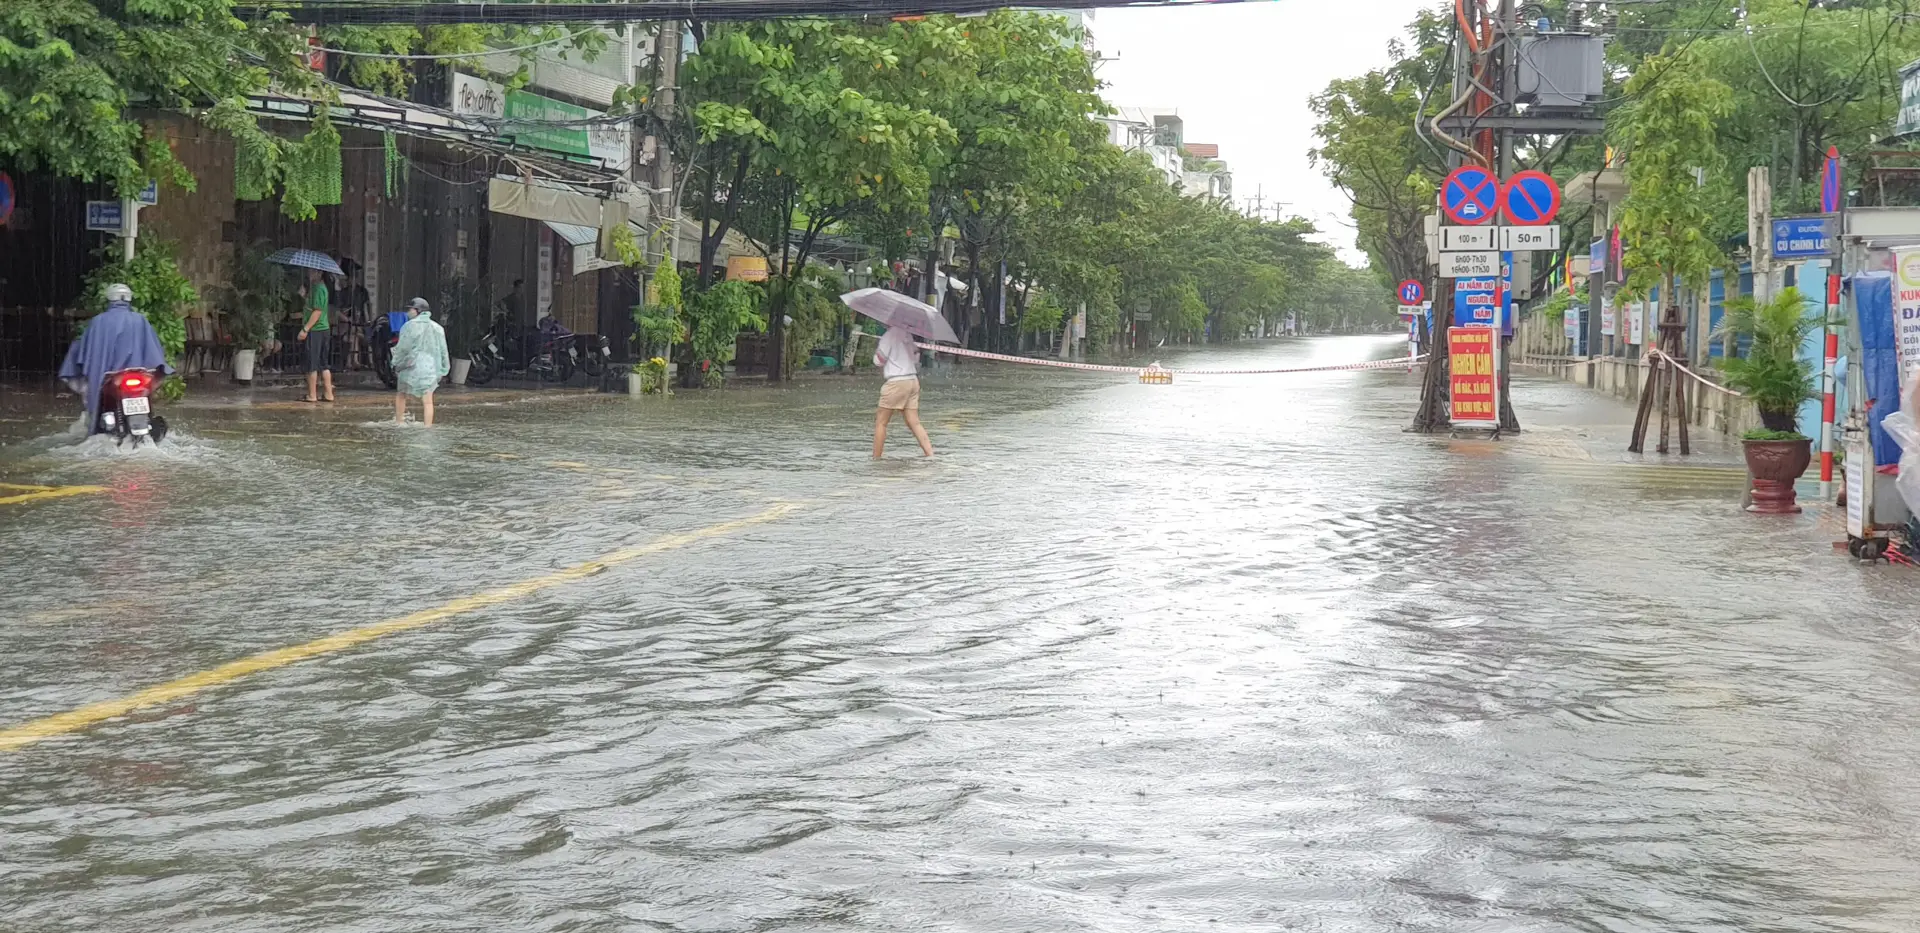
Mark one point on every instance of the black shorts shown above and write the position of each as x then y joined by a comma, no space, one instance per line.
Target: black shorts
319,351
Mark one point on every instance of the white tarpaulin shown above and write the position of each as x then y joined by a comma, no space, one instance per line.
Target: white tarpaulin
543,202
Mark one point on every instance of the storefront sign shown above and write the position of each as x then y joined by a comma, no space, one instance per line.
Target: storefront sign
543,280
1908,120
1906,310
478,97
1470,378
370,259
553,125
746,269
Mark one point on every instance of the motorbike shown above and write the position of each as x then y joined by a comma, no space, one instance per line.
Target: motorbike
596,351
126,408
549,353
381,337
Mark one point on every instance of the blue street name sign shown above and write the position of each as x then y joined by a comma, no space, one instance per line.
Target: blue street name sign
106,216
1802,237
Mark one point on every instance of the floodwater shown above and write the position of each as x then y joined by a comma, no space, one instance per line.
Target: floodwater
1234,654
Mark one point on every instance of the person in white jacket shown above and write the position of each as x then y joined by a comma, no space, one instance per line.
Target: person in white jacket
899,359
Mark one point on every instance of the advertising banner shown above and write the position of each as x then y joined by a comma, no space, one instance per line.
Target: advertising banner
1906,310
1471,378
1573,323
1608,315
1474,301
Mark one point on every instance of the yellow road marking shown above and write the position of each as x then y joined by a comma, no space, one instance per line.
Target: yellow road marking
48,492
25,734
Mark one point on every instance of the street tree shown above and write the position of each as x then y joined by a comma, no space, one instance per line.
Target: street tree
1669,137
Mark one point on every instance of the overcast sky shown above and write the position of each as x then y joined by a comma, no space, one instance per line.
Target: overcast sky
1240,75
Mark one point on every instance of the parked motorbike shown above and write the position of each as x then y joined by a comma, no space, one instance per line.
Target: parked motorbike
381,337
595,351
126,408
548,353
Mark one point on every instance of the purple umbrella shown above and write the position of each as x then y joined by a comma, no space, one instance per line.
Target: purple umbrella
305,259
896,310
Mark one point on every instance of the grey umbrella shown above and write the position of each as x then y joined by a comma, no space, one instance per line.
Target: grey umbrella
305,259
896,310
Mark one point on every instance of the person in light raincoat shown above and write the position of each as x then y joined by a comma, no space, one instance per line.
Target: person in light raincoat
419,361
115,340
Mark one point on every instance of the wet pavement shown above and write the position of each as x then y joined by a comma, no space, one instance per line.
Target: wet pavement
1234,654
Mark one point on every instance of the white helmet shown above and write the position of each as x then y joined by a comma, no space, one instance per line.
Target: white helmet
119,292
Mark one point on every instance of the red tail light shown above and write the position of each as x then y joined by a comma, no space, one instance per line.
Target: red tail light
135,381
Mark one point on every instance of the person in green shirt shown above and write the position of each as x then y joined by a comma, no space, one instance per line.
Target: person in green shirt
317,332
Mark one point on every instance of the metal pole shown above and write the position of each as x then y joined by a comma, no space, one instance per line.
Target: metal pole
666,203
1826,376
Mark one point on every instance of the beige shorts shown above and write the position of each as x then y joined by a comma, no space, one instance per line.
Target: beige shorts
900,395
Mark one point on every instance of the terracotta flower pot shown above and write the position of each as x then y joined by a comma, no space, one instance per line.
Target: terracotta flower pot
1775,465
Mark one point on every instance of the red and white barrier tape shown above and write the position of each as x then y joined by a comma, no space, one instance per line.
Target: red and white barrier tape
1717,387
1136,370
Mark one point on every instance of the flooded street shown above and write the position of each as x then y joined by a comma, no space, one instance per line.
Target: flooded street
1234,654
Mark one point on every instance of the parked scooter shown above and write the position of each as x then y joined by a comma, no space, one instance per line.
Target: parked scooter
126,408
381,337
549,352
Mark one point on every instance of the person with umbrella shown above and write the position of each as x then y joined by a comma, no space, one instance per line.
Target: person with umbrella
899,357
315,329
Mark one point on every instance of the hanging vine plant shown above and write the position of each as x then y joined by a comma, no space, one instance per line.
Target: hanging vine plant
396,164
306,169
312,170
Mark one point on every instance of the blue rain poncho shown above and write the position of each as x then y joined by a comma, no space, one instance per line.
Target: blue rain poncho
420,358
116,339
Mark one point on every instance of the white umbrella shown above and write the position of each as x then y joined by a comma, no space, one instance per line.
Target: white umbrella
896,310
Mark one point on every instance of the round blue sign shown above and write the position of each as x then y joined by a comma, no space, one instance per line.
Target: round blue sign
1412,292
6,197
1531,198
1469,194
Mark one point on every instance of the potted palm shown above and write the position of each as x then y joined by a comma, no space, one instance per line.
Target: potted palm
256,293
1774,377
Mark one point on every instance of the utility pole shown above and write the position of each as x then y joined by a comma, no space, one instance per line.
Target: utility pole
666,92
1479,127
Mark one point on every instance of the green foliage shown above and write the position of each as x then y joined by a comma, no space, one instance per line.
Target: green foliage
1767,434
1369,149
816,311
716,316
1805,76
1043,316
257,294
70,70
666,283
1772,373
160,292
1668,132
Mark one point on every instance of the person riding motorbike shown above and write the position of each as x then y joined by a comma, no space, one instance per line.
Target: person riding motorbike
115,340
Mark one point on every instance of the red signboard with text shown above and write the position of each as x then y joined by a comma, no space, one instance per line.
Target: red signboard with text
1471,377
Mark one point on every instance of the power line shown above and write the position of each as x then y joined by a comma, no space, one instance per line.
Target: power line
452,56
352,12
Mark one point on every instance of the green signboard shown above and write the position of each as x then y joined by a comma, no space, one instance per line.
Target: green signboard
534,108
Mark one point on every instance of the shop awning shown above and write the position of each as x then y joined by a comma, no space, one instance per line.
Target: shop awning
585,242
575,234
